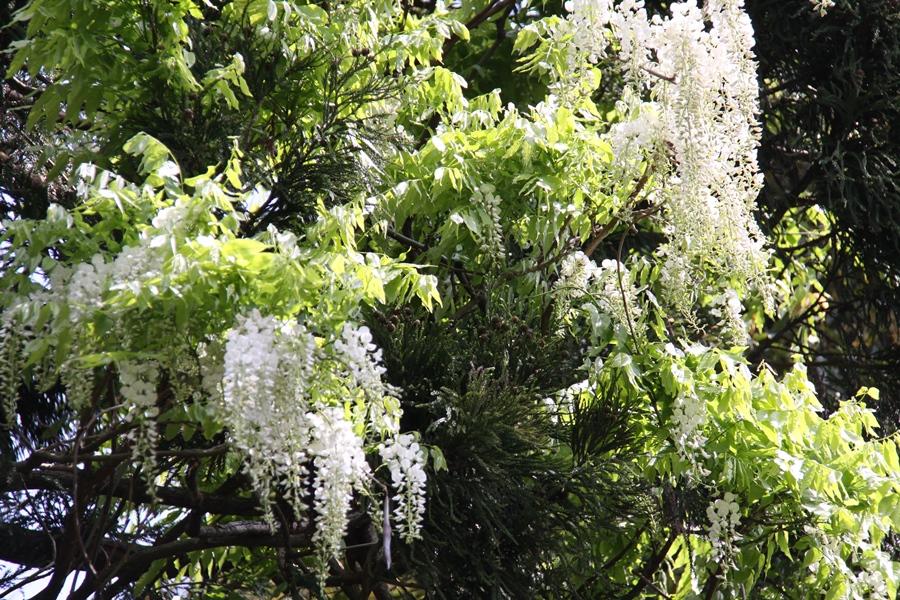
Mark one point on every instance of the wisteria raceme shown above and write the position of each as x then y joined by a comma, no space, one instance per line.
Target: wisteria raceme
406,462
822,6
491,238
210,362
138,382
362,358
697,67
724,516
633,30
340,467
10,349
86,286
608,286
871,585
79,383
265,399
575,271
866,581
135,265
585,16
635,134
282,400
728,308
617,296
689,415
709,117
89,281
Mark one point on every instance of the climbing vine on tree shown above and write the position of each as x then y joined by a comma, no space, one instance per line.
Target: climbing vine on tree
305,316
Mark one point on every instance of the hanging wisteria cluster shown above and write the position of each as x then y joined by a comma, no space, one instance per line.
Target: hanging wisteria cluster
138,381
406,462
300,398
264,400
10,349
491,237
340,468
282,400
724,516
699,128
822,6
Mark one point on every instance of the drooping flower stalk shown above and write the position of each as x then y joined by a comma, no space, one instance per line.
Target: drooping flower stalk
406,462
282,401
699,129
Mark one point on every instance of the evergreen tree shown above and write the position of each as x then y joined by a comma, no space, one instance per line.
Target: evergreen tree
295,303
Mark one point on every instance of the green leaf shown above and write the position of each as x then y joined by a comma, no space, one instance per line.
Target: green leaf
838,588
171,431
871,392
781,538
437,459
459,30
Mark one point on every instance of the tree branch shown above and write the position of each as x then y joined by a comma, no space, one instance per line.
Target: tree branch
489,11
137,492
651,567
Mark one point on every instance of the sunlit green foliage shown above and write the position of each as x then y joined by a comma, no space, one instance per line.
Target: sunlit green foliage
587,431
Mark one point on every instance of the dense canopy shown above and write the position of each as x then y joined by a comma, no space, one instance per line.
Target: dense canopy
389,299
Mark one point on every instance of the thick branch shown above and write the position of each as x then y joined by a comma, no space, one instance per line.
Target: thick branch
249,534
137,492
30,548
651,567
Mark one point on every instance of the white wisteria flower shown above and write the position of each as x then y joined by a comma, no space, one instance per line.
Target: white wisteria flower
362,358
822,6
264,401
340,467
283,401
608,286
405,459
698,68
724,516
138,381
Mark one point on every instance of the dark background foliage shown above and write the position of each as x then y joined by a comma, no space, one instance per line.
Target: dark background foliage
831,104
830,100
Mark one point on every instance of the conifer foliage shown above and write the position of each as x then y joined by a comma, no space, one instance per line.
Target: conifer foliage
294,313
